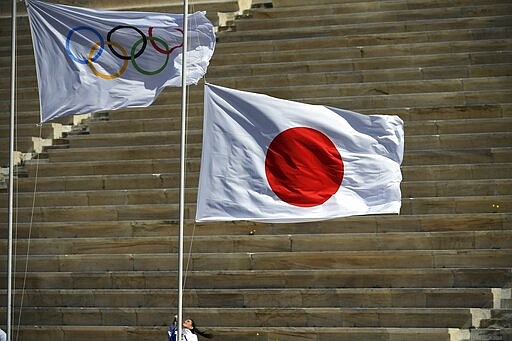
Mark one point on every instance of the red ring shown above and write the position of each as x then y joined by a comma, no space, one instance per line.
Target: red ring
155,46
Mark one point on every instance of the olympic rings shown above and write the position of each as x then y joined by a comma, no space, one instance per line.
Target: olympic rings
133,56
114,47
68,39
155,46
145,42
101,75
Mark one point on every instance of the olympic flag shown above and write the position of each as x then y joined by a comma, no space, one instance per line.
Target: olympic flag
90,60
272,160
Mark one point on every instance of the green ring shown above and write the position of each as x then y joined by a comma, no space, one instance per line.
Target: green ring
138,68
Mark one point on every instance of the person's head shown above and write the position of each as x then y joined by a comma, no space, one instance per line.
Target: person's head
189,324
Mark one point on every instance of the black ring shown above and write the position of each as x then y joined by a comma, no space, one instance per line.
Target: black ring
144,42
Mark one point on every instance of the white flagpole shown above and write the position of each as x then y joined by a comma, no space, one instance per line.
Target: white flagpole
11,170
182,167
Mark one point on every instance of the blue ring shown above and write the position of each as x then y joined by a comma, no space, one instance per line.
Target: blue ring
100,50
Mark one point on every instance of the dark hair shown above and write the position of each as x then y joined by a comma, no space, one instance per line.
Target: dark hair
199,332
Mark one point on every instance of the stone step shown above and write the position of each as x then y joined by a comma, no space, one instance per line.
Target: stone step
28,144
324,260
500,318
254,298
210,6
412,4
228,5
42,168
236,58
337,24
141,333
409,114
334,25
490,334
195,136
30,116
358,69
489,187
346,48
374,100
371,9
336,89
469,15
442,126
467,222
132,179
436,99
98,189
456,189
462,156
336,77
256,317
413,206
377,103
98,197
461,126
357,35
17,156
494,239
257,279
45,131
506,303
193,153
328,73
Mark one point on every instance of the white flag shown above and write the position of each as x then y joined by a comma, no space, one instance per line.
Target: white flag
272,160
89,60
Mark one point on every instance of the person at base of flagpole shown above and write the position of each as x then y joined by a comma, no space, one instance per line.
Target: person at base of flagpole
190,331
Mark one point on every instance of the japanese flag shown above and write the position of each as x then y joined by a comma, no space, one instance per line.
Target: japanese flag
273,160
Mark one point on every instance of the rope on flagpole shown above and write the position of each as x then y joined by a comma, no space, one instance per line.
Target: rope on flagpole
29,238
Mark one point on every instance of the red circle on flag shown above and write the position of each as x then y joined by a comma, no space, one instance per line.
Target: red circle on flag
303,167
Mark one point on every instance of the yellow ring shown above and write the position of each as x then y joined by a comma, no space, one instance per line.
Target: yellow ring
101,75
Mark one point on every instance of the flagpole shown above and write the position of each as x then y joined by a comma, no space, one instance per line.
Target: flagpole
11,170
182,167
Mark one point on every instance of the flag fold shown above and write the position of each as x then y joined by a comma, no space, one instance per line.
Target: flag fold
91,60
273,160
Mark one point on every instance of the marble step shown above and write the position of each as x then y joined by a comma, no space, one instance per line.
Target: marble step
256,317
457,190
242,58
427,127
255,298
155,177
469,15
140,333
43,168
408,114
359,8
284,261
334,76
133,228
449,29
379,88
392,241
255,279
102,211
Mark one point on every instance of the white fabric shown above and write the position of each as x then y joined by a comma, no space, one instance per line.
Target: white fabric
238,129
187,335
75,76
